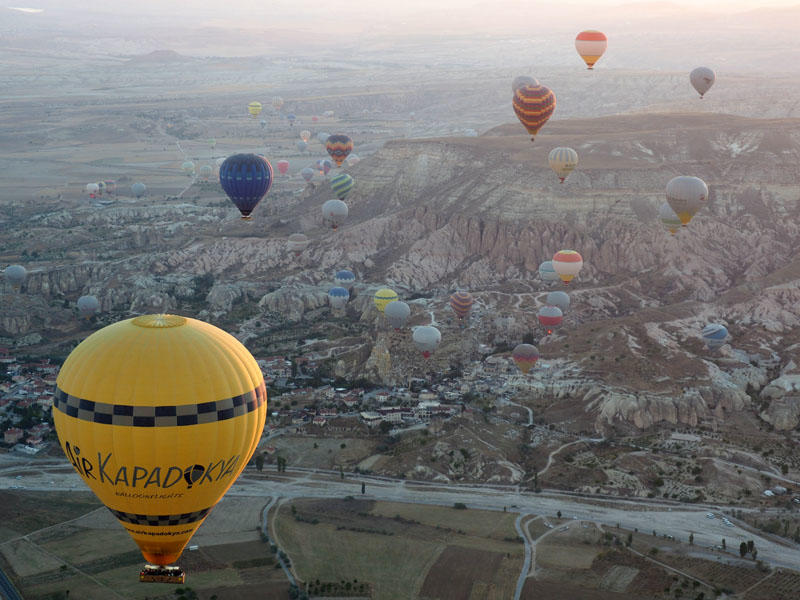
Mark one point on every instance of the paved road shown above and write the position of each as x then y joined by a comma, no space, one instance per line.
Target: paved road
7,589
526,563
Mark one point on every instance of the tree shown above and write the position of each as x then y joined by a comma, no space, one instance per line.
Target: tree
691,539
259,461
723,543
742,549
385,427
558,514
750,545
754,553
630,539
363,487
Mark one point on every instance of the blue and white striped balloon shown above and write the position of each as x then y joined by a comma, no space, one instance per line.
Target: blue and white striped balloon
714,335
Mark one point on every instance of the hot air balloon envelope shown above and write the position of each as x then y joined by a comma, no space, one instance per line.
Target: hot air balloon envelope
567,263
702,78
382,297
338,147
591,45
246,178
533,105
525,356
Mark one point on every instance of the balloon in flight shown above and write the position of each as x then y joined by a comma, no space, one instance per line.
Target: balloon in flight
307,173
254,108
547,272
567,264
686,195
291,118
92,189
341,185
138,189
702,78
305,135
397,313
522,81
382,297
426,338
668,218
533,105
353,159
550,317
297,242
344,278
324,166
714,335
339,146
334,212
159,415
15,275
246,178
205,172
525,356
188,168
301,146
563,161
283,166
591,45
558,299
87,306
277,102
338,297
461,303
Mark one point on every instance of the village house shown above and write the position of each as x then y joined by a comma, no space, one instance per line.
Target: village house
13,435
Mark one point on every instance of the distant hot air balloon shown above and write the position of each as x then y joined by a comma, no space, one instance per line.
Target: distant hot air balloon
714,335
323,136
101,186
563,161
702,78
246,178
301,146
297,242
341,185
686,195
550,317
328,113
138,189
188,168
212,142
263,123
397,313
547,272
283,166
522,81
305,135
461,303
87,306
567,264
353,159
205,172
339,146
324,166
558,299
92,189
254,108
277,102
334,212
307,173
314,119
591,45
338,297
426,338
15,275
344,278
291,118
669,219
533,105
159,415
382,297
525,356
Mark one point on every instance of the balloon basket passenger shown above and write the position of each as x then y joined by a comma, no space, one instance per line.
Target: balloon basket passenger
162,574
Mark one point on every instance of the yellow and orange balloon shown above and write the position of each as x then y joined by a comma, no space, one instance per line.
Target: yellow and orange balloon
591,45
533,104
159,415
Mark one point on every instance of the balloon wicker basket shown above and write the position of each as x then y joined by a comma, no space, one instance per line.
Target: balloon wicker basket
162,574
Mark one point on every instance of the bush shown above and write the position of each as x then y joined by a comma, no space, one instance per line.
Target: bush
460,506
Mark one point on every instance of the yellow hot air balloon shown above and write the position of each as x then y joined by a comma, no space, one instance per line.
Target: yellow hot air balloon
159,415
383,296
563,161
254,108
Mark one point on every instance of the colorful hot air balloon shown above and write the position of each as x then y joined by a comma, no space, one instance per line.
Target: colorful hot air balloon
15,275
714,335
305,135
382,297
283,166
567,264
339,146
669,219
558,299
277,102
324,166
92,189
547,272
341,185
344,278
307,173
246,178
301,146
87,306
291,118
297,242
338,297
138,189
522,81
563,161
159,415
397,313
426,339
702,78
254,108
533,105
205,172
334,212
550,317
461,303
188,168
314,119
591,45
525,356
686,195
353,159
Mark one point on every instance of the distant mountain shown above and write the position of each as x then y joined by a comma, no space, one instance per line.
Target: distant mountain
160,56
